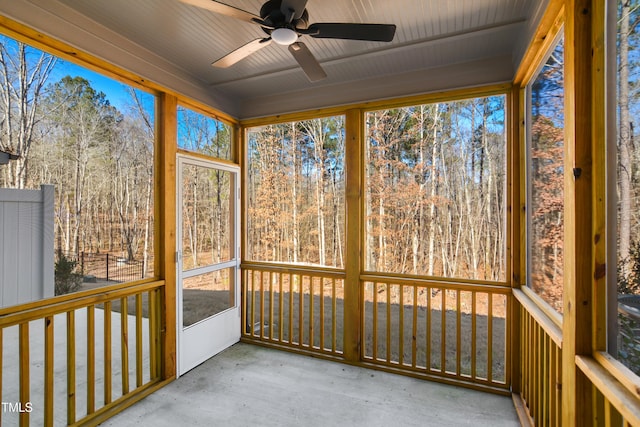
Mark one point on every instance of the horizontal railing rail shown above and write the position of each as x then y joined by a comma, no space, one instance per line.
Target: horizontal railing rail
447,330
434,280
294,268
87,353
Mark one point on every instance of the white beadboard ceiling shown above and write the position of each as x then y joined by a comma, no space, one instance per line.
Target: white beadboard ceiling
439,44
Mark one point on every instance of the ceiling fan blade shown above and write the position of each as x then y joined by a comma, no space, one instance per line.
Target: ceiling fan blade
241,53
224,9
297,6
371,32
307,61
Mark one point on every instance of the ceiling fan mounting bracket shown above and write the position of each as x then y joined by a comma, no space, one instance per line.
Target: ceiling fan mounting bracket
271,14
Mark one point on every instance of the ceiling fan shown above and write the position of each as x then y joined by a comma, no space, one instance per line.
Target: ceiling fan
284,21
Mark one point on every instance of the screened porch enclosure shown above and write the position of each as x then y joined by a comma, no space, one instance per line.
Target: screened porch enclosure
454,222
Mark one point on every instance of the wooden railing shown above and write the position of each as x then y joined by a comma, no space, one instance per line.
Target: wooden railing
616,388
302,308
76,358
299,308
442,330
540,363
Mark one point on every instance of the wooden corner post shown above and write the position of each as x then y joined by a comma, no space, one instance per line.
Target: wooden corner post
165,211
516,218
584,204
354,124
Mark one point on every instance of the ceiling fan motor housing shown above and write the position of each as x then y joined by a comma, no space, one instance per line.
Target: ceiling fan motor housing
272,15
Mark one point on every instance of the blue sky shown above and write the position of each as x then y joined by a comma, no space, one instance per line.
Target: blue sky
116,92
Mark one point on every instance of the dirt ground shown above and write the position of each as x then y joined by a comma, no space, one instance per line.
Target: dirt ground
198,304
286,325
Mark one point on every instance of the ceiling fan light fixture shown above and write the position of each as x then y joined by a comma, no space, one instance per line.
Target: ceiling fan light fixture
284,36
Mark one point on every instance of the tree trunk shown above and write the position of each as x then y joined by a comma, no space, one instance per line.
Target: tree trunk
294,191
434,191
625,145
147,223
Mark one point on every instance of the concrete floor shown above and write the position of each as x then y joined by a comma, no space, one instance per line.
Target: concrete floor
248,385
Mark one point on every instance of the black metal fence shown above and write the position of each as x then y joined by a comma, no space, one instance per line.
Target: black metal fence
106,267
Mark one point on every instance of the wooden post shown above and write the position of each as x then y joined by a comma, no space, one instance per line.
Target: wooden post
599,149
165,236
354,124
585,235
516,218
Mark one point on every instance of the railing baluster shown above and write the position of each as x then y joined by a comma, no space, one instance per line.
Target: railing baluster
523,350
107,352
558,381
270,305
322,314
490,337
551,385
301,312
253,303
537,401
261,304
139,350
532,364
541,369
311,302
334,315
24,371
388,319
401,325
428,331
291,292
443,331
547,380
473,335
524,375
280,309
48,371
71,367
91,357
124,345
154,334
244,295
458,332
375,320
531,361
414,329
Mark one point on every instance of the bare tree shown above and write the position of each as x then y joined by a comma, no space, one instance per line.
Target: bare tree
625,136
23,81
